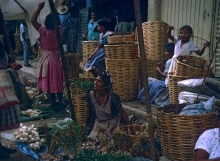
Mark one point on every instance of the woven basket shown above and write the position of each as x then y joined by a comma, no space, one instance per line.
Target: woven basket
191,66
120,39
78,97
123,51
133,131
154,33
88,48
18,43
174,90
72,60
125,74
179,133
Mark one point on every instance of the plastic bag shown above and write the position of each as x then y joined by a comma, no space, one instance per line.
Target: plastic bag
201,108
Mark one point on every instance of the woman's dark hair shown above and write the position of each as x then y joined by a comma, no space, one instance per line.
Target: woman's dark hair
106,78
49,24
170,46
104,23
188,28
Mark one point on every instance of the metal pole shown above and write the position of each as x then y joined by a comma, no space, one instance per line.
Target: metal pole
145,79
65,69
5,32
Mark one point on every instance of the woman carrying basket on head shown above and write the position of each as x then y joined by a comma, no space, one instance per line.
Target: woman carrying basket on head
183,45
96,61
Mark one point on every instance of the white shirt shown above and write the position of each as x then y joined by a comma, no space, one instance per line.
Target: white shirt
23,29
210,142
103,35
186,49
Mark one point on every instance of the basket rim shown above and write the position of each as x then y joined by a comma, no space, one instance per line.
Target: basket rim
133,44
188,65
171,113
90,41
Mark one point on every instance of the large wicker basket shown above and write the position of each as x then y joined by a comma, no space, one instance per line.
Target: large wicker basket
179,133
121,39
125,74
78,97
122,51
133,132
174,90
72,60
18,43
154,33
191,66
88,48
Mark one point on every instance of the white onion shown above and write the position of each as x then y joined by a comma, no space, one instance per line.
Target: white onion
37,138
21,139
35,129
32,139
30,136
25,139
21,125
42,141
37,143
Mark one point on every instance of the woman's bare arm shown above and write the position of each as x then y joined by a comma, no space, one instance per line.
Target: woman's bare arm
124,115
202,155
35,15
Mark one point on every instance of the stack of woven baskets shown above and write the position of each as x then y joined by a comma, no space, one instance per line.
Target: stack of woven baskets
154,34
186,67
123,64
88,48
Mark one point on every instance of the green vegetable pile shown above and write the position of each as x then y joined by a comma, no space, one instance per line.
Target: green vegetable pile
82,84
92,155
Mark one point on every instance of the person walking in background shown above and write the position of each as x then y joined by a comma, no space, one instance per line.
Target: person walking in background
24,37
73,28
49,70
92,32
64,16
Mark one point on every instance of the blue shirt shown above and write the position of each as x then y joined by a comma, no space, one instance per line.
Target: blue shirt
91,34
63,20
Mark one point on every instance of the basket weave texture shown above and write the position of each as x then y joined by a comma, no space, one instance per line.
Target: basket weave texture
123,51
154,33
18,43
72,60
179,133
174,90
125,74
120,39
88,48
191,66
133,131
78,97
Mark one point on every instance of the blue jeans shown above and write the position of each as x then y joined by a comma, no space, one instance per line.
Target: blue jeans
26,52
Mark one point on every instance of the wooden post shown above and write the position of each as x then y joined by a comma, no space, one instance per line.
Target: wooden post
5,32
145,79
56,24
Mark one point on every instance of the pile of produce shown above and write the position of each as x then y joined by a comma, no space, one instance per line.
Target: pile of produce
37,97
31,112
30,136
84,84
